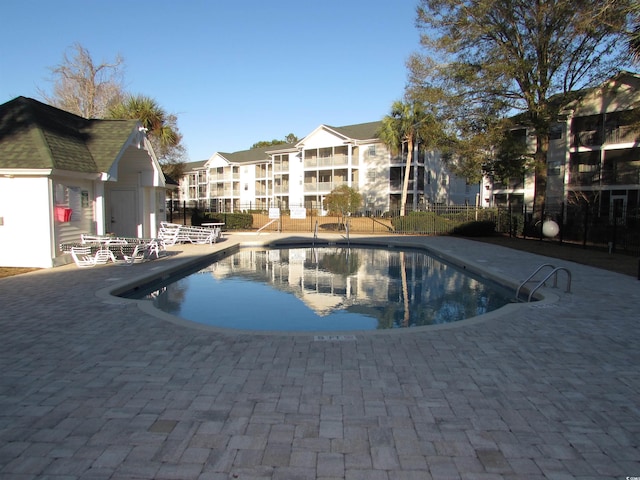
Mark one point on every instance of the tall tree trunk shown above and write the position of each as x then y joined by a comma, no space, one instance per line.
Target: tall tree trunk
540,190
407,173
405,290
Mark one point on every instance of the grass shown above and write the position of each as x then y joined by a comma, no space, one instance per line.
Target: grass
10,271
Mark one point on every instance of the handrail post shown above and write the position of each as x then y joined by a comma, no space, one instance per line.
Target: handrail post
554,272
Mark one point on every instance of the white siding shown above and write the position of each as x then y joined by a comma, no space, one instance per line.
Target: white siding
247,185
26,230
296,174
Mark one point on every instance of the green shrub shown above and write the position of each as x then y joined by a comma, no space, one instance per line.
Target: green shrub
513,224
232,221
197,218
482,228
422,222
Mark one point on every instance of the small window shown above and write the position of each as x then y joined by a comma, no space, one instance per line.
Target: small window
555,133
61,195
372,150
554,168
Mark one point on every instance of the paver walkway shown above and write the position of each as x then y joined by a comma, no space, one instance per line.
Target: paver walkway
95,388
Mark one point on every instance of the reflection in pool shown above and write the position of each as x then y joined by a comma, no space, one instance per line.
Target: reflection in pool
328,289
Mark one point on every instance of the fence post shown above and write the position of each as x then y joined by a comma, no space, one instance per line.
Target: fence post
614,238
184,212
586,225
561,222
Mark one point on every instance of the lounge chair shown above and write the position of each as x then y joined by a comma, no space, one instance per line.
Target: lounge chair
83,257
86,238
138,255
155,247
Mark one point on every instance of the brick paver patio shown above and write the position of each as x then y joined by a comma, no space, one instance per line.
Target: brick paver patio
93,387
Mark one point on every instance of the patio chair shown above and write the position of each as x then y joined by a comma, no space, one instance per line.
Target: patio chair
86,238
83,257
155,247
168,233
139,255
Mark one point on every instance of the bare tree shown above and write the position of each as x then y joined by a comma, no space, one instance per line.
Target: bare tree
83,87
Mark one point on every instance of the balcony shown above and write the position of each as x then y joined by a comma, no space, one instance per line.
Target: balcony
321,187
594,133
622,134
284,188
279,168
324,162
584,175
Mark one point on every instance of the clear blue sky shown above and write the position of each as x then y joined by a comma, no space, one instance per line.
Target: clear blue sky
234,72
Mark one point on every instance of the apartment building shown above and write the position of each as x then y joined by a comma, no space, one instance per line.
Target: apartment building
304,173
594,154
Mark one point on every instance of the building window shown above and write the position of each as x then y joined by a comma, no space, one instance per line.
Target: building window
555,132
554,168
371,151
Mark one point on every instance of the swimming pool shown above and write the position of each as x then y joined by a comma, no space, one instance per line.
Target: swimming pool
329,288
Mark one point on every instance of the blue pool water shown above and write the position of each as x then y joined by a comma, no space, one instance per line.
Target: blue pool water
328,289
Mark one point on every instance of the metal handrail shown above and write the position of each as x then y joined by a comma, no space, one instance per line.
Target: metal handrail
531,276
267,224
555,282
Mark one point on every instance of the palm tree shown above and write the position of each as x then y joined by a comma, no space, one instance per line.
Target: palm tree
410,123
160,126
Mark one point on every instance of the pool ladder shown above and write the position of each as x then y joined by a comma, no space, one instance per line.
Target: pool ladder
553,273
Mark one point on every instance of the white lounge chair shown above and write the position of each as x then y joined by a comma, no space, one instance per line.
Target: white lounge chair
155,247
83,257
86,238
139,255
169,233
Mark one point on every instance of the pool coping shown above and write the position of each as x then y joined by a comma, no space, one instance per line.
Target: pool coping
110,293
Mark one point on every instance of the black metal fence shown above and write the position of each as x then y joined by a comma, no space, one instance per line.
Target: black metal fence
584,225
615,230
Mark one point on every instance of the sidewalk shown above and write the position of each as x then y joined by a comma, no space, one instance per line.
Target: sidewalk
92,387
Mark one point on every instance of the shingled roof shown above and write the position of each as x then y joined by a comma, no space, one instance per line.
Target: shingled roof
254,154
361,131
37,136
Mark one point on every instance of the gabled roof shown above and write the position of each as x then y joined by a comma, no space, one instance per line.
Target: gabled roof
349,133
361,131
195,165
37,136
253,155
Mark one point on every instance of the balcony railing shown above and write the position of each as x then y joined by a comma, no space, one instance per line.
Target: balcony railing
321,187
622,134
323,162
608,135
284,167
396,186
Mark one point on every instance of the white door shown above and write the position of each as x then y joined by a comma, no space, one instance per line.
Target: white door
124,213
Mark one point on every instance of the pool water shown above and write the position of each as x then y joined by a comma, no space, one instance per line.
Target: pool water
328,289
